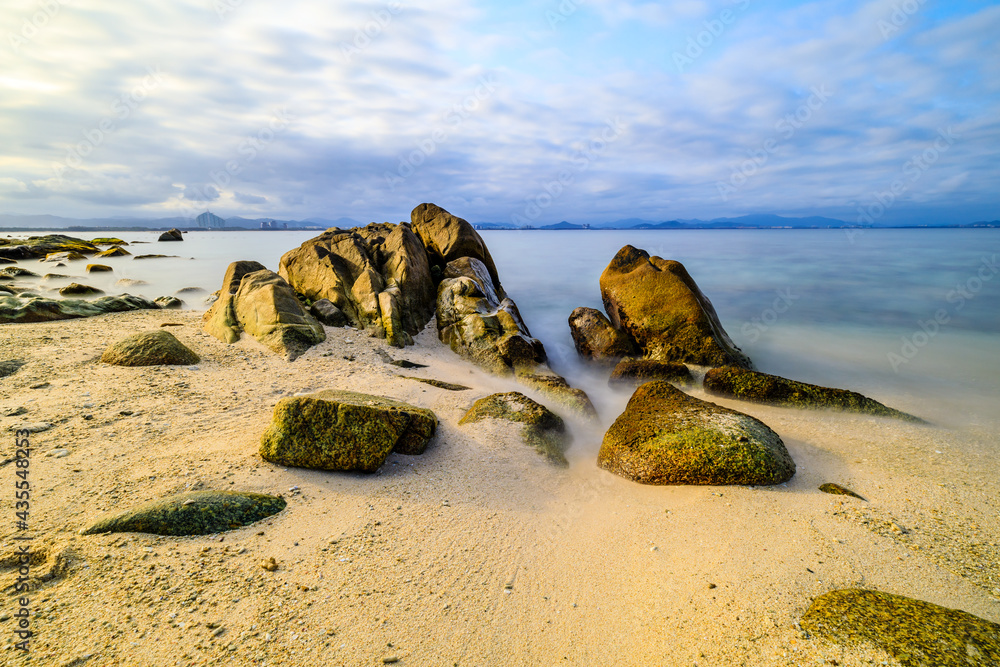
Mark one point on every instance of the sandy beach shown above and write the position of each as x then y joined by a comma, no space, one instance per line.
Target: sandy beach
477,552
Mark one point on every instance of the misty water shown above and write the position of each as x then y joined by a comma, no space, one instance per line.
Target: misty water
908,316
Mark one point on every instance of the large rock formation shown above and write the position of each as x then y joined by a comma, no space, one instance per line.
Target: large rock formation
40,246
658,304
344,430
378,276
38,309
756,387
264,306
543,430
667,437
151,348
597,340
448,237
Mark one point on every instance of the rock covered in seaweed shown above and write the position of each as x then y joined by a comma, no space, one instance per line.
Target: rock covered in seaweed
195,513
756,387
39,309
657,303
543,430
150,348
116,251
40,246
596,339
915,632
344,430
633,372
667,437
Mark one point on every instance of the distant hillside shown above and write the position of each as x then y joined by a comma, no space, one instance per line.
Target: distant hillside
564,225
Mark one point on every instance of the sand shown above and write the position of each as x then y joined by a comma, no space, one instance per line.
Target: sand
477,552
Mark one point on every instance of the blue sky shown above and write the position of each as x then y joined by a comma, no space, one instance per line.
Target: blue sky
583,110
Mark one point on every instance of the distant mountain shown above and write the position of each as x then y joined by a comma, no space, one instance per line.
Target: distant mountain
672,224
563,225
339,222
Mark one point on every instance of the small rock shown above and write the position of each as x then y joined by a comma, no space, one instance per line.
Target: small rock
58,453
390,659
32,428
15,412
270,564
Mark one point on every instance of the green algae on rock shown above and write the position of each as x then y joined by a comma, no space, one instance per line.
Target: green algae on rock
116,251
344,430
195,513
916,633
543,430
553,386
438,383
40,246
39,309
633,372
667,437
838,490
746,385
151,348
77,289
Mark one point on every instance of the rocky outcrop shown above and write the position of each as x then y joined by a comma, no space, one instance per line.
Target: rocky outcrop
447,238
378,276
344,430
264,306
667,437
756,387
171,235
98,268
543,430
151,348
196,513
168,302
659,306
76,289
14,309
634,372
914,632
117,251
40,246
597,340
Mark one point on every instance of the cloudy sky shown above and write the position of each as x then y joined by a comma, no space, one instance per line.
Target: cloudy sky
523,110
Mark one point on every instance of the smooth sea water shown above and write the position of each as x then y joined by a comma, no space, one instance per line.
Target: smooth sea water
911,315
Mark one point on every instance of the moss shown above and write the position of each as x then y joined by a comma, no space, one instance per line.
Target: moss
152,348
914,632
746,385
107,240
117,251
543,430
197,513
344,430
633,372
40,246
667,437
838,490
438,383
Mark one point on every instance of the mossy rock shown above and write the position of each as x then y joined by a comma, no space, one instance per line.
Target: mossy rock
21,309
117,251
634,372
555,387
151,348
756,387
76,289
543,430
18,272
196,513
344,430
98,268
70,256
916,633
108,241
667,437
171,235
168,302
40,246
597,340
661,308
440,384
838,490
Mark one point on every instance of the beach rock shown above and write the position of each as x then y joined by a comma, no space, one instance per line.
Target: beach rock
98,268
40,309
171,235
220,320
756,387
667,437
107,240
327,313
440,384
40,246
596,339
17,272
344,430
69,256
151,348
4,289
190,290
10,366
195,513
4,260
117,251
152,256
447,238
914,632
838,490
378,276
543,430
633,372
129,282
554,386
168,302
48,277
266,307
76,289
659,305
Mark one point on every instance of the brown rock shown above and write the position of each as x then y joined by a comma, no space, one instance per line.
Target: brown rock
98,268
171,235
448,237
634,372
596,339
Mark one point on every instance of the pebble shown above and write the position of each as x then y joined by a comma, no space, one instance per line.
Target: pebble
390,659
270,564
40,385
58,453
32,428
194,368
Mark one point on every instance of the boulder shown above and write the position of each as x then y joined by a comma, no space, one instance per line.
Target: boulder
220,320
596,339
327,313
196,513
171,235
98,268
152,256
659,305
69,256
108,241
76,289
914,632
545,382
447,238
40,246
756,387
543,430
344,430
633,372
117,251
18,272
378,276
4,260
667,437
129,282
168,302
39,309
190,290
151,348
